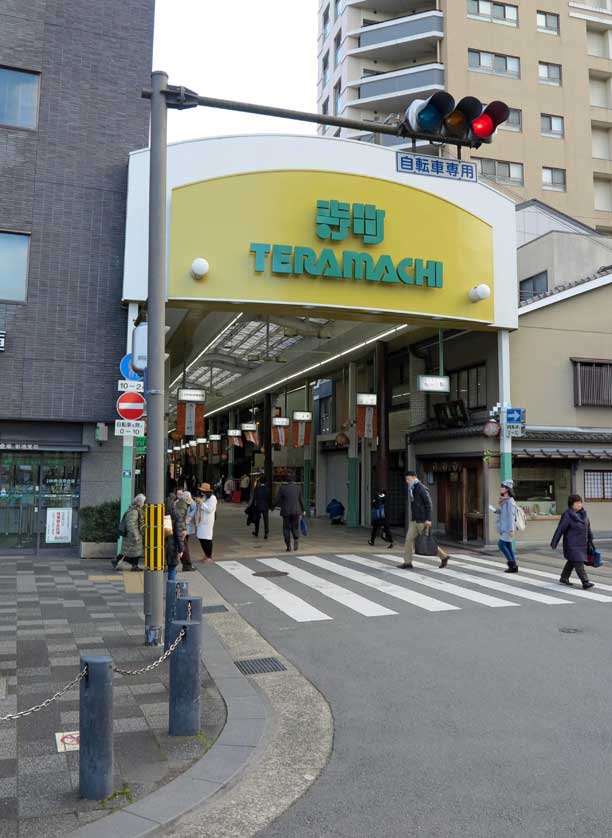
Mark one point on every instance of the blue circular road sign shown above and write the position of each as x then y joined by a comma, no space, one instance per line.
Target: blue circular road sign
125,367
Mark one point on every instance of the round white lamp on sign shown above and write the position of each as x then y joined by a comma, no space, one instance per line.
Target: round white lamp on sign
479,293
199,268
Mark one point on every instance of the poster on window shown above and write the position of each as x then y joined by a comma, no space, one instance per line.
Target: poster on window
59,526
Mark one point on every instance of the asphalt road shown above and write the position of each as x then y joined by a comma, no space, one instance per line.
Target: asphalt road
476,722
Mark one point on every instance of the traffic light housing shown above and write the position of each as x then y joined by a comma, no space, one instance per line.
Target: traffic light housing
465,123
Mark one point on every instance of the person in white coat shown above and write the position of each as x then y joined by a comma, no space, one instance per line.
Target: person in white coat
205,521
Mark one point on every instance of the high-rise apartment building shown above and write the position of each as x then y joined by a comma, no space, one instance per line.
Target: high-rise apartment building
549,60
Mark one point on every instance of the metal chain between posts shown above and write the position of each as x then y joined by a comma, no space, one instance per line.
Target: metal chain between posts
189,610
47,702
156,663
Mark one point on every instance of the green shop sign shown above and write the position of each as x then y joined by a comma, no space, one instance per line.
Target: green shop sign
334,221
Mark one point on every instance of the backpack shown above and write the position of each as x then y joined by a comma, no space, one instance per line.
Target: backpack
519,518
122,528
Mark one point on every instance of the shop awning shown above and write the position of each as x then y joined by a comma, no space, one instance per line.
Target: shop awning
563,453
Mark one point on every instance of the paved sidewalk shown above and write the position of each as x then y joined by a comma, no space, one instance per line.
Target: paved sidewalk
51,610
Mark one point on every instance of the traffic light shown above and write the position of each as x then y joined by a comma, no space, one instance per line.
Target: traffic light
467,122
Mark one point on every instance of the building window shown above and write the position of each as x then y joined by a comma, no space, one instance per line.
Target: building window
19,92
337,98
549,73
470,386
597,485
592,382
337,9
533,285
325,72
14,253
553,179
496,12
514,121
502,171
552,126
497,65
326,24
548,22
337,49
325,107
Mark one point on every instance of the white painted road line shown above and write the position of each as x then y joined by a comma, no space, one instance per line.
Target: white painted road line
355,602
521,579
437,584
285,601
530,571
405,594
504,587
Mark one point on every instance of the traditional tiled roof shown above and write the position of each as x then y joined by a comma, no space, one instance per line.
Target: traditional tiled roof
605,269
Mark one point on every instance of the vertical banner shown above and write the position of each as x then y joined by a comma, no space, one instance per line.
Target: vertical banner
236,441
279,436
366,421
252,437
215,447
189,419
301,434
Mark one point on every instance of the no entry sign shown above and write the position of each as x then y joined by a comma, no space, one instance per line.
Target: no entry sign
131,406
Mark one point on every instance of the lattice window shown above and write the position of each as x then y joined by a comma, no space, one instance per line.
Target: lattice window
597,485
592,382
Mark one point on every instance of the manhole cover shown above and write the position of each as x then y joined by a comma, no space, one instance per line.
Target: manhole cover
269,573
570,630
255,666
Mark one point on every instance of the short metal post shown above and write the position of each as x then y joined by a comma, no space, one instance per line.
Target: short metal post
174,590
185,612
96,728
184,711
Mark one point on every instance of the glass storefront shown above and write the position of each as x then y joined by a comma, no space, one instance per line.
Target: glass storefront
39,499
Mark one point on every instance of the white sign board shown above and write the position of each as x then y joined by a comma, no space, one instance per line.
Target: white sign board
280,422
434,383
125,386
185,395
367,399
514,430
302,416
234,432
67,741
59,526
127,427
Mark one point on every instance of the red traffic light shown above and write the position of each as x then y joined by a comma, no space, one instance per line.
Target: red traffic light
483,126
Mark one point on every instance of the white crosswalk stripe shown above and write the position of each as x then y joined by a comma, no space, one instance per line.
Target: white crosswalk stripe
356,602
405,594
468,562
437,584
288,603
489,583
469,574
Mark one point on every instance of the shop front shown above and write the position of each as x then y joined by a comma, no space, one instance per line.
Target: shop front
39,498
457,487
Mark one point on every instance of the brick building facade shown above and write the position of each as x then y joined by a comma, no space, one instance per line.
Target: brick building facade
71,75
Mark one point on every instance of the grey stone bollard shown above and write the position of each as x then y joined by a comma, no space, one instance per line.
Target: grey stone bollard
184,711
174,590
182,609
96,728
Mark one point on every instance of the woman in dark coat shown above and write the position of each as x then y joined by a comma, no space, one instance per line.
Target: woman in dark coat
174,542
575,529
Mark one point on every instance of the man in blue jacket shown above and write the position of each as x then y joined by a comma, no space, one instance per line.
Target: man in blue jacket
420,519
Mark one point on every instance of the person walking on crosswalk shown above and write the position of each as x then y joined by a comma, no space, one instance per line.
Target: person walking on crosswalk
575,529
505,523
379,520
291,502
420,520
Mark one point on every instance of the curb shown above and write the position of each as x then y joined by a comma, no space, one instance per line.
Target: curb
247,719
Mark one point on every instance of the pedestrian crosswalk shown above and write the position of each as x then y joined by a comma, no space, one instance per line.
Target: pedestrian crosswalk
307,588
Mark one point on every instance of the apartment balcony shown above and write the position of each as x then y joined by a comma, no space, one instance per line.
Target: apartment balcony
392,91
394,7
400,39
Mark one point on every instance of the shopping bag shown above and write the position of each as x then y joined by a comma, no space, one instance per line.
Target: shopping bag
594,558
303,526
167,526
425,544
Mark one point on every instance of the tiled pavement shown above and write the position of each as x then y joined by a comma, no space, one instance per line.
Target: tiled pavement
51,610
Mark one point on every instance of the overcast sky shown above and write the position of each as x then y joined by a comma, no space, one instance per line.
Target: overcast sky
261,51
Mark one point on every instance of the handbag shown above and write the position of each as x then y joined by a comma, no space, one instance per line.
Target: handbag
303,526
594,558
167,525
425,544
